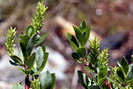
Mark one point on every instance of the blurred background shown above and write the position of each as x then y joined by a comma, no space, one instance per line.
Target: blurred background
112,22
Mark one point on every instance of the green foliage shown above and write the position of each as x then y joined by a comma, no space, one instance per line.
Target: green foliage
95,61
102,76
122,75
31,62
85,81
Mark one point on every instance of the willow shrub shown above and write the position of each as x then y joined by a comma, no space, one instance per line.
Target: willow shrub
32,62
95,61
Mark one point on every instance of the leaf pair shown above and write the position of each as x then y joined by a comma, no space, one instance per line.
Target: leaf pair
27,43
84,80
82,36
124,72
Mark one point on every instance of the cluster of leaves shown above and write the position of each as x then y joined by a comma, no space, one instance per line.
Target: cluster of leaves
122,76
32,62
102,76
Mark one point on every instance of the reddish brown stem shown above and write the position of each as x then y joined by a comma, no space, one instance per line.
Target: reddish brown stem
27,82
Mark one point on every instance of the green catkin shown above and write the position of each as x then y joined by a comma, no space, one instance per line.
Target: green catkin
10,40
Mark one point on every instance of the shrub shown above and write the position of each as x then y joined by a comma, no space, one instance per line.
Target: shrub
32,62
95,61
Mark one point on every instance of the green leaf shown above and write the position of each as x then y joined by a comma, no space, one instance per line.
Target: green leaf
129,81
89,68
16,59
120,75
31,60
13,63
24,39
28,71
17,86
40,39
83,79
44,61
41,57
81,52
93,87
30,44
53,80
78,34
44,48
102,74
83,25
76,57
73,41
86,35
124,65
104,87
29,30
23,49
47,80
130,74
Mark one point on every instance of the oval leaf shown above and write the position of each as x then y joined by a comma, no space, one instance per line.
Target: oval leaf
120,75
75,56
83,25
16,59
41,39
45,58
73,41
78,35
29,30
86,35
30,44
124,65
39,57
83,79
101,75
13,63
47,80
31,60
81,52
